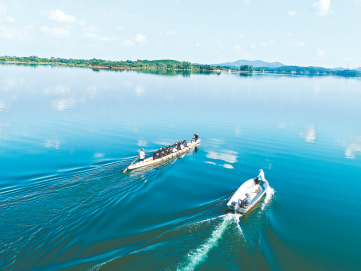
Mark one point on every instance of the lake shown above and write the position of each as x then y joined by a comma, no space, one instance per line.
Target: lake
67,134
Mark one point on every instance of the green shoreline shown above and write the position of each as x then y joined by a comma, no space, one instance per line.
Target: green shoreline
172,65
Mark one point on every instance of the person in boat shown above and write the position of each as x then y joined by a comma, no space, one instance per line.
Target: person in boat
181,146
174,148
141,155
185,143
246,202
260,177
155,155
160,152
163,152
196,136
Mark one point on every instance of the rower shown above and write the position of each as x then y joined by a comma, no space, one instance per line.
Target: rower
196,136
160,152
141,155
155,155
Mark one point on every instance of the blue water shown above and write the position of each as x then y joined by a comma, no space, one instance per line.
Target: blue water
66,135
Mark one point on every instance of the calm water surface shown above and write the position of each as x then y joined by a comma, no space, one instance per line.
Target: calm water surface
66,135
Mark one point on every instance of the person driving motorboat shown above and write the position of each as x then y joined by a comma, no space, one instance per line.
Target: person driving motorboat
260,177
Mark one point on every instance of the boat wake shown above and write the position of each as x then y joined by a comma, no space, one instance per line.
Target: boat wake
269,196
198,255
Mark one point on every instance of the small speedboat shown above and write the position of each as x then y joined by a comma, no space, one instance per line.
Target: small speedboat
150,161
256,191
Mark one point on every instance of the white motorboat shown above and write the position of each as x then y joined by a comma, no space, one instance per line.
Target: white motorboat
150,161
256,191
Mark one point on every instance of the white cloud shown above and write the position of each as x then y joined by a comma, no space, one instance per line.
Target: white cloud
321,54
171,32
6,33
300,44
228,166
271,42
237,47
10,19
63,104
29,27
120,27
60,16
197,44
227,156
139,90
52,144
264,44
218,42
127,43
98,155
140,38
142,143
281,125
93,28
346,58
292,13
322,7
59,33
239,35
253,46
309,134
97,37
3,9
353,147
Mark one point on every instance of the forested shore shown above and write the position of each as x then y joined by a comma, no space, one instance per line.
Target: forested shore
165,64
174,65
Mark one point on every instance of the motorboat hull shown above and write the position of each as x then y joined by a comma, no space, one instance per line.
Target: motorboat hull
256,191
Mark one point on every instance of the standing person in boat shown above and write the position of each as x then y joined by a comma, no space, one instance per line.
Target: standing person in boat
141,155
260,177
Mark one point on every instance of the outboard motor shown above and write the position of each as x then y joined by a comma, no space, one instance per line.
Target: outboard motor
235,206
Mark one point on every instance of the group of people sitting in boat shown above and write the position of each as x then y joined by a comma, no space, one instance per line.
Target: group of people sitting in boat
164,151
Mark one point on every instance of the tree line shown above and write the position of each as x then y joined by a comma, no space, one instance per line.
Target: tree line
165,64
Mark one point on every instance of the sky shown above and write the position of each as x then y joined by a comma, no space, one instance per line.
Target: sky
322,33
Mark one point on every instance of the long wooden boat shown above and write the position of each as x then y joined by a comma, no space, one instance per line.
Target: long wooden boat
150,161
256,192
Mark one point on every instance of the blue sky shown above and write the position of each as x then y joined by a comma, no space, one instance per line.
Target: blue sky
309,32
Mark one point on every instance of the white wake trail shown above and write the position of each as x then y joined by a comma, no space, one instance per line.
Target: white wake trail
198,255
269,195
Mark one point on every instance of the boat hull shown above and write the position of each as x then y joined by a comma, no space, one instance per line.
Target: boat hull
150,161
256,191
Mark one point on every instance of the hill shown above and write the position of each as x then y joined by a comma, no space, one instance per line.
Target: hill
254,63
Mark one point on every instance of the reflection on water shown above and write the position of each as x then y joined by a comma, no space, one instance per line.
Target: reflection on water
67,134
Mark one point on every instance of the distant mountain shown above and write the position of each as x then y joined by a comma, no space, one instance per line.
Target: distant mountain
254,63
358,69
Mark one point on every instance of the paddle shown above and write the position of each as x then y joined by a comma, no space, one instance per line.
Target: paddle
130,165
